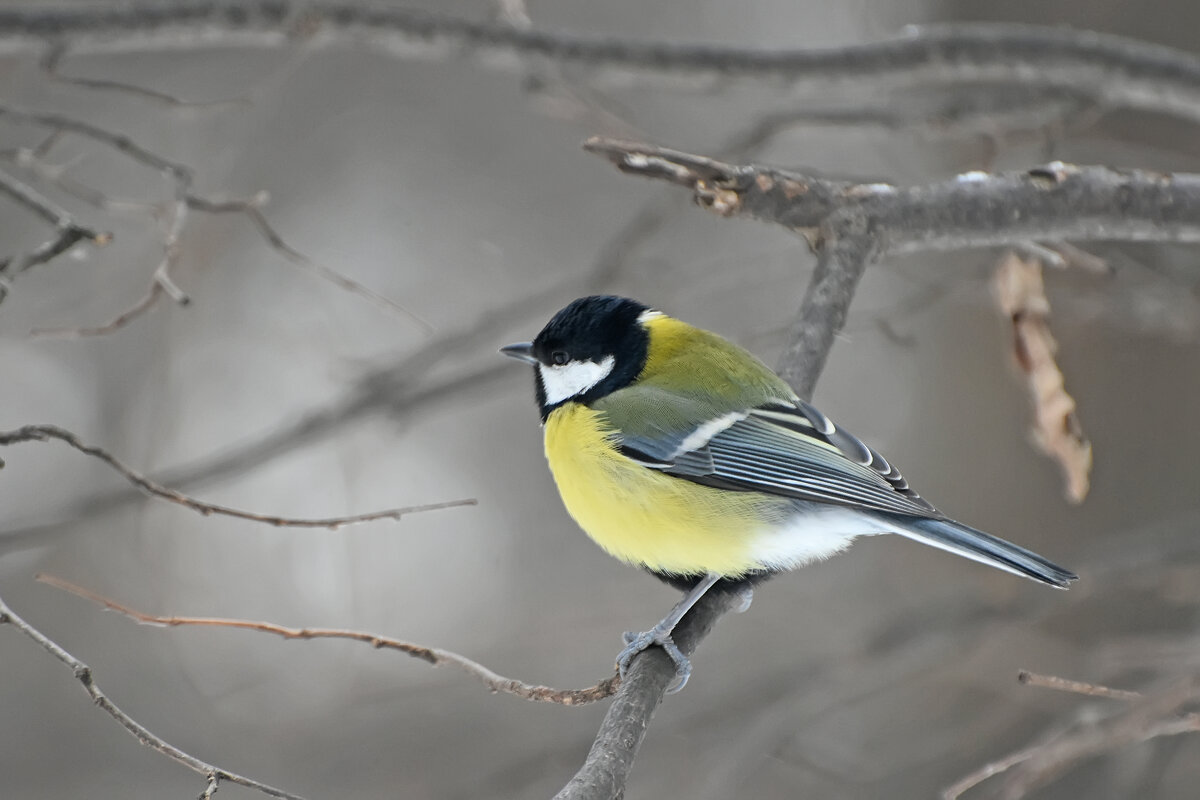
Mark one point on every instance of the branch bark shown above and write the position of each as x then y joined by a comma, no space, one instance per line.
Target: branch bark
1111,71
1053,202
850,225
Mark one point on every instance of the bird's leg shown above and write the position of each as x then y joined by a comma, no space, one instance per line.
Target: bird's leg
660,635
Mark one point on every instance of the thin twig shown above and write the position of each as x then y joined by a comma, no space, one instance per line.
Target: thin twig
251,208
112,326
214,782
391,390
42,433
956,789
62,123
181,178
179,175
68,231
432,655
1076,687
54,56
1147,717
34,160
1153,716
83,673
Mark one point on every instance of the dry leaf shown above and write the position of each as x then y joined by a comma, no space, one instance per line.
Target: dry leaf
1020,293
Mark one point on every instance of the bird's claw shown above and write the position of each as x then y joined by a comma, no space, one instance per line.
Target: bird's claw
637,642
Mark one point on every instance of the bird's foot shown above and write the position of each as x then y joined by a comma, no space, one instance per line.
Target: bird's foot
637,642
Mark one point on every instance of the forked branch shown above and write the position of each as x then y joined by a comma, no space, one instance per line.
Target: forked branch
83,673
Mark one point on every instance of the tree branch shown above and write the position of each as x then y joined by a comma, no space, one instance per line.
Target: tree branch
976,209
849,226
184,200
1146,717
1076,687
43,433
434,656
844,252
1111,71
396,388
68,232
83,673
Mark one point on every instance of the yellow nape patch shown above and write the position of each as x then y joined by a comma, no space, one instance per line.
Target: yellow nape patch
644,517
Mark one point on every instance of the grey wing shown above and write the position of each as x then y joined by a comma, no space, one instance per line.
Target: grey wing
786,449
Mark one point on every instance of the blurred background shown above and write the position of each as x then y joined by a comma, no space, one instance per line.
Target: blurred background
462,193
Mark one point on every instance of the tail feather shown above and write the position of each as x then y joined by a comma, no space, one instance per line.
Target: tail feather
982,547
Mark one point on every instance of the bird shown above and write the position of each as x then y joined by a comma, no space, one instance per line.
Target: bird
682,453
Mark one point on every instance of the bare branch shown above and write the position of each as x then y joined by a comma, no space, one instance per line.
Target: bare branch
35,160
214,781
53,57
251,208
1152,717
977,209
849,226
967,782
1146,717
174,170
43,433
1076,687
1109,71
181,178
432,655
139,308
68,231
606,769
840,266
842,257
395,389
83,673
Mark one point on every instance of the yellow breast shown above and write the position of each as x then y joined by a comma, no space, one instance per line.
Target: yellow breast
644,517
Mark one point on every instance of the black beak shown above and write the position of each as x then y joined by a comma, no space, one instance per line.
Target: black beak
522,351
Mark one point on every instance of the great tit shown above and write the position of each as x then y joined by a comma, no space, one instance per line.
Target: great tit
680,452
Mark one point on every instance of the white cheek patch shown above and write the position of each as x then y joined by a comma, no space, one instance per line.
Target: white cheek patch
573,378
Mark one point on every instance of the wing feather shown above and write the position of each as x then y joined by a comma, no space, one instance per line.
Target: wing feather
786,449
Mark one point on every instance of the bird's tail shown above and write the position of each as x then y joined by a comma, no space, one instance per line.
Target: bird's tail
982,547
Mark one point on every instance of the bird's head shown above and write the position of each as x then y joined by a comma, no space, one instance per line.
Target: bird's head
589,349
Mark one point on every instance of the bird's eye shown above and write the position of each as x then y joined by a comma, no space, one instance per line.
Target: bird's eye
559,357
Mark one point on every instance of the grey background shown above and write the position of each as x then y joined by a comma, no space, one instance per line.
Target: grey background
886,672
